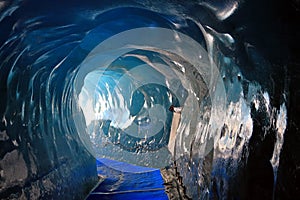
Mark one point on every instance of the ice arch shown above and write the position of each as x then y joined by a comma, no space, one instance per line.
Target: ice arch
115,100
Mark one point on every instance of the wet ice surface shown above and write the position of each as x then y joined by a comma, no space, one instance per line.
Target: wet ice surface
81,80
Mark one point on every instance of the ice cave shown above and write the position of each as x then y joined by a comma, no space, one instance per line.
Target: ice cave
134,99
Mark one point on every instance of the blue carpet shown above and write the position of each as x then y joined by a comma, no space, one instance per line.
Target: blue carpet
124,181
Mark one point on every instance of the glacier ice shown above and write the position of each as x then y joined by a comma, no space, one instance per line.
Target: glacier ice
81,81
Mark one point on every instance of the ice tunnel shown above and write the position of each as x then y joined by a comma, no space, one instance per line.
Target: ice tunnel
149,100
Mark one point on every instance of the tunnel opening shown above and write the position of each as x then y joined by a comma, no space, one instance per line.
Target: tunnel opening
125,86
128,81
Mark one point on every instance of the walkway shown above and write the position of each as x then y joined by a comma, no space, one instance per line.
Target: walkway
122,181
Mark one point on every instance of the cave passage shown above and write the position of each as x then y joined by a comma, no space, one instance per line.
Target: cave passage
132,99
